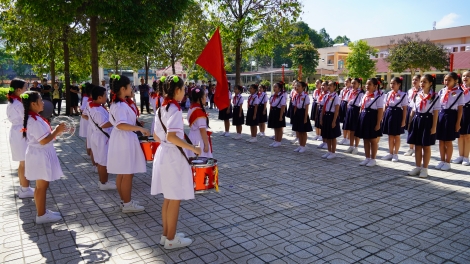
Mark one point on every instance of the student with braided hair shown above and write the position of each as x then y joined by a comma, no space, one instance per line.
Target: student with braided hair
199,123
41,162
15,114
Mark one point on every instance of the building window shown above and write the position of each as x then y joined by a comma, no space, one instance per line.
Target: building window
462,48
455,49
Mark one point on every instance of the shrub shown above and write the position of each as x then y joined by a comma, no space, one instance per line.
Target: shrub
3,95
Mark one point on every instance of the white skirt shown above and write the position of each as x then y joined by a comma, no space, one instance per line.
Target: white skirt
125,156
18,144
42,163
196,139
88,133
99,146
171,174
82,132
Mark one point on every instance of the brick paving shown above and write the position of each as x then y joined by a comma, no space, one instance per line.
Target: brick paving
274,206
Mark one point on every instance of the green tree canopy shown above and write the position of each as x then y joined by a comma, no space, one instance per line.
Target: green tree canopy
358,62
306,55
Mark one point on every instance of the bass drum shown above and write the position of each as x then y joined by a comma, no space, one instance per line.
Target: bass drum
48,109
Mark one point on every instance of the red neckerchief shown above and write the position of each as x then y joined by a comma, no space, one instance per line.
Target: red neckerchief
415,91
84,95
354,94
344,92
298,98
97,105
368,96
153,95
133,106
315,93
446,96
391,97
90,99
196,113
424,101
13,97
330,95
465,89
321,96
168,101
235,101
275,96
251,99
34,116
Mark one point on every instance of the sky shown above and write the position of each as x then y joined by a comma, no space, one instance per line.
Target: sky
359,19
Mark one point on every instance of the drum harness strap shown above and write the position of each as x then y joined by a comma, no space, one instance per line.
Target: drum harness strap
185,137
100,128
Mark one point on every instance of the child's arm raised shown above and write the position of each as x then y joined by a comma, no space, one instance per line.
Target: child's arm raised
57,130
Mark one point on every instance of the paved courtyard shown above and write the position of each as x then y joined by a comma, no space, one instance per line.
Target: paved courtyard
274,206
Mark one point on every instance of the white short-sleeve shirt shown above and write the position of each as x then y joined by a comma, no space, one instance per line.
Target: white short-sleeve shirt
321,96
15,112
36,130
237,100
278,100
466,94
121,113
455,95
263,98
100,116
199,122
345,93
423,108
84,104
302,100
355,97
253,100
173,121
399,100
330,101
315,95
374,102
412,93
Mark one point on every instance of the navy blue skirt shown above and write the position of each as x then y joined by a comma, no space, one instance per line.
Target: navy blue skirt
420,130
465,121
273,120
446,125
327,131
298,124
249,117
223,114
351,118
407,120
365,128
317,116
238,120
391,124
313,112
290,111
262,117
343,108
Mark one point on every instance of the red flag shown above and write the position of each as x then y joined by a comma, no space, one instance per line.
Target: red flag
212,60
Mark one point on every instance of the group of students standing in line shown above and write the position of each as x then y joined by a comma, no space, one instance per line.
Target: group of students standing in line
427,115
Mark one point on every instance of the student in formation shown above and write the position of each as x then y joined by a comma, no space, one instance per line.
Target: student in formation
329,119
423,124
98,117
41,161
125,156
156,98
277,117
394,120
368,125
450,115
83,130
18,144
290,109
89,130
320,101
464,139
315,96
262,110
301,122
252,112
171,174
352,114
343,108
199,124
226,114
238,115
412,94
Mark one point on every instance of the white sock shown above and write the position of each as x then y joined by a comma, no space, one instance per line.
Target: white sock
126,204
24,189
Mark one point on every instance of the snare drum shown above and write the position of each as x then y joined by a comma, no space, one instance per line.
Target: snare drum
205,174
149,147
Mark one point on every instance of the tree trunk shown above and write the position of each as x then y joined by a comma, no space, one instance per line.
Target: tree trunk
52,59
147,66
67,69
95,77
238,61
173,69
116,66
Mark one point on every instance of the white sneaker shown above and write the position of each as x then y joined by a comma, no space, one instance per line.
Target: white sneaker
387,157
364,162
302,149
439,165
177,242
331,156
320,138
272,144
346,142
223,134
445,167
371,163
324,156
350,149
252,140
29,193
457,160
110,185
395,158
296,140
227,134
297,149
415,171
315,137
237,137
325,146
342,141
163,238
133,207
52,212
355,151
466,162
410,152
95,169
48,217
276,144
273,137
261,134
423,173
321,145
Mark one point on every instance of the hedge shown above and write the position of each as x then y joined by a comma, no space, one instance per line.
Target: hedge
3,95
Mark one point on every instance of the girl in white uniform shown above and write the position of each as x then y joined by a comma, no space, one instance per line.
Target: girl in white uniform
199,123
412,94
98,117
15,114
41,162
262,110
464,139
125,156
171,175
352,114
277,113
82,132
329,119
156,98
